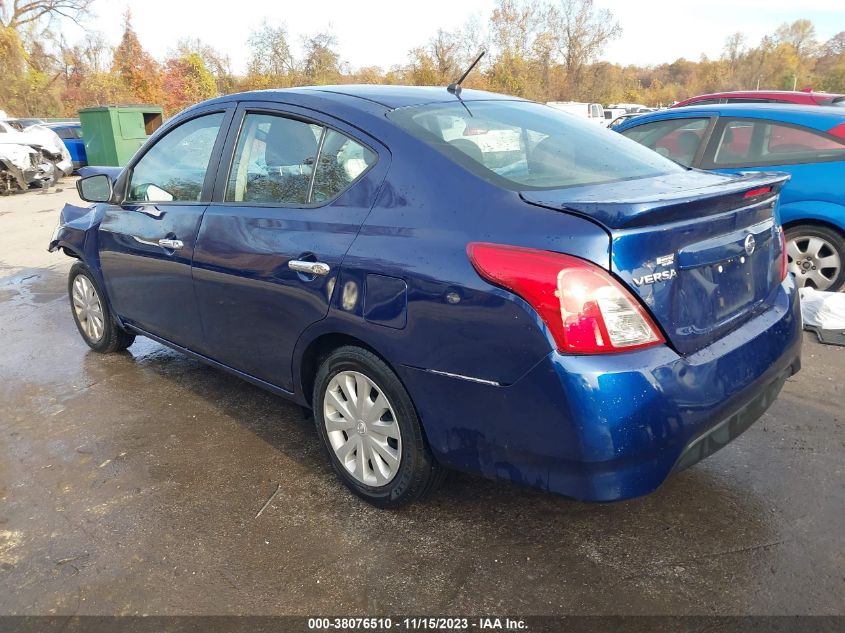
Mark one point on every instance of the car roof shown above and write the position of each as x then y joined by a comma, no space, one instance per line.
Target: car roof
388,96
762,93
818,117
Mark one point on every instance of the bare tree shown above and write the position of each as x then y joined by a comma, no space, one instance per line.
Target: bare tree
16,13
271,54
583,33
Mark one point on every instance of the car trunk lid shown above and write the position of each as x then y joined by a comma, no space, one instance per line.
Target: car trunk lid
701,250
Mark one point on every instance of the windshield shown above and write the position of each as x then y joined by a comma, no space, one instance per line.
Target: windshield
521,145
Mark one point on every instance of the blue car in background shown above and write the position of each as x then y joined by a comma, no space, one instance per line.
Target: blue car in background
71,135
806,142
465,281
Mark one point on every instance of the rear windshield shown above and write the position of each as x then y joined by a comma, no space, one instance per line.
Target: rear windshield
521,145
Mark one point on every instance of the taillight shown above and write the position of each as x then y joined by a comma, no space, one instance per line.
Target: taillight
586,310
783,258
759,191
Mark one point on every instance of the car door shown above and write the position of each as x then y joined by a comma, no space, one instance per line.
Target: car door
146,243
287,206
814,160
681,138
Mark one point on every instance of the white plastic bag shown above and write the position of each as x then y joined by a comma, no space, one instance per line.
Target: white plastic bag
825,310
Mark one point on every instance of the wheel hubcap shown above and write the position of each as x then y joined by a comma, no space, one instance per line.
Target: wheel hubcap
362,428
814,261
88,309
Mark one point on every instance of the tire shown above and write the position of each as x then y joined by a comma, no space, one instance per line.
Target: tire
102,334
816,256
364,454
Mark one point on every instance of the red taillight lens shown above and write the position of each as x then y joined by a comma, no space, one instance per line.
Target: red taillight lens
783,257
753,193
586,310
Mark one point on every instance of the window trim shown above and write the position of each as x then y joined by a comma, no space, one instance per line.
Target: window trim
231,148
708,158
227,110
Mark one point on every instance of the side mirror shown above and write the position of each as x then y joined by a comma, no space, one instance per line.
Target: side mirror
97,188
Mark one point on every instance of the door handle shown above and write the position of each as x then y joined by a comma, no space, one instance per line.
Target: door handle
173,245
309,268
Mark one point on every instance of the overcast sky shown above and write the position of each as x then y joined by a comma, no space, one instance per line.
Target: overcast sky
380,32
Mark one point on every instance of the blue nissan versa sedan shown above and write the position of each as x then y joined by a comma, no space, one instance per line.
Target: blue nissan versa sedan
463,281
806,142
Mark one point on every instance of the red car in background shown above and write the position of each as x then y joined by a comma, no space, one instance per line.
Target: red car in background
765,96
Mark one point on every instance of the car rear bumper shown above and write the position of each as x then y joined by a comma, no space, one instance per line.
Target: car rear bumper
612,427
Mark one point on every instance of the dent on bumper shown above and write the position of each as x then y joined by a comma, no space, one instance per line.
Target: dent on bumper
605,428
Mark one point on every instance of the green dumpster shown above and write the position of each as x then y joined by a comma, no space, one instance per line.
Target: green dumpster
112,134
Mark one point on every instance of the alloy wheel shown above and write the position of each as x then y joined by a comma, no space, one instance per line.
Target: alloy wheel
813,260
88,308
362,428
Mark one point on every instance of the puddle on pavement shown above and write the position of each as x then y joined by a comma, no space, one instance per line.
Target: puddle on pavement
32,286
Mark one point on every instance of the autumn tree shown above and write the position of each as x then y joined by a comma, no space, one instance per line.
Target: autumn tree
321,63
139,73
218,64
271,63
186,81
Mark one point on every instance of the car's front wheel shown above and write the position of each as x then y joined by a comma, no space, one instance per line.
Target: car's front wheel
90,311
371,429
816,256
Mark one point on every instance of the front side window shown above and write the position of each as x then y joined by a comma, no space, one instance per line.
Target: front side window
520,145
748,143
678,139
174,169
289,162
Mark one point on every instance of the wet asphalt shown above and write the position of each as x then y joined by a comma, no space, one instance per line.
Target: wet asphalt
130,484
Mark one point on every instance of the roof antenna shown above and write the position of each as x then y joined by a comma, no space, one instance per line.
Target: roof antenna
455,87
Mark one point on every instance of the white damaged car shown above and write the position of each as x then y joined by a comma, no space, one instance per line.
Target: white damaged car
35,156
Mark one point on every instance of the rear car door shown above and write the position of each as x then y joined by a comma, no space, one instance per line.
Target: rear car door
287,206
814,160
146,243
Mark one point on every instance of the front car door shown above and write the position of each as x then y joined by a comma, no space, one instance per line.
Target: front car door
287,206
681,138
146,243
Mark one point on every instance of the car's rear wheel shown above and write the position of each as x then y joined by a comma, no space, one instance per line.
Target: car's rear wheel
816,256
95,323
371,429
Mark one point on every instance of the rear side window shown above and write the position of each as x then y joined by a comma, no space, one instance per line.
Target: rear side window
285,161
678,139
746,143
342,161
520,145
